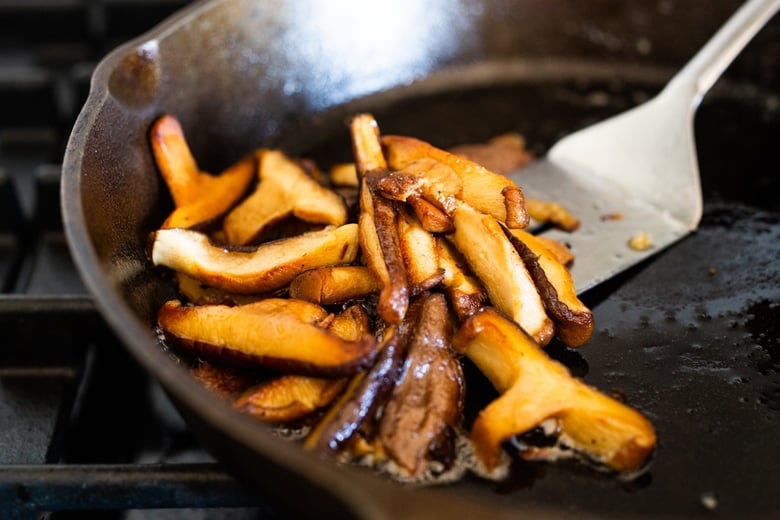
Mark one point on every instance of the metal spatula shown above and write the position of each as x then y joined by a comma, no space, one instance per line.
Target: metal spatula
638,169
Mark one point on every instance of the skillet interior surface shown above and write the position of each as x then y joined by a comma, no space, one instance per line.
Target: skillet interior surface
689,337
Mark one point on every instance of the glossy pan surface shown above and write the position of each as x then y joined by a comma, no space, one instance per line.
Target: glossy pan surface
689,337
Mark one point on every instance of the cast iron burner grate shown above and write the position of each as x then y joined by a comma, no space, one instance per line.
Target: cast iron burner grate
84,432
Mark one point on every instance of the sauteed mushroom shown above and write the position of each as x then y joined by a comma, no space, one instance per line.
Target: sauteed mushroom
437,262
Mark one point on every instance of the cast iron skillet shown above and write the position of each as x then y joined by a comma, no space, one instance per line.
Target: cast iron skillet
689,338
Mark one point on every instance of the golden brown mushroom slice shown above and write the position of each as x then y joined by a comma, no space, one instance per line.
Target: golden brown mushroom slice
432,218
225,382
174,160
333,284
573,319
464,292
292,397
537,390
281,334
379,241
482,189
352,323
501,154
419,252
344,175
420,419
548,212
427,178
267,267
558,249
199,197
284,189
198,293
493,259
289,397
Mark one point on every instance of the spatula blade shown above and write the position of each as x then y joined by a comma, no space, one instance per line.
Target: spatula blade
609,217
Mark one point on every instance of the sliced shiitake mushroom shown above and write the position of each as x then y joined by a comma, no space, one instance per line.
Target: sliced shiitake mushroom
548,212
284,189
431,218
366,392
421,417
573,319
378,227
291,397
558,249
427,178
501,154
283,334
419,253
333,284
536,389
491,256
226,382
174,160
198,197
267,267
344,175
482,189
464,292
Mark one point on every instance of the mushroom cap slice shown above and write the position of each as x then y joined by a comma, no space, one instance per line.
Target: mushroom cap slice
198,196
419,252
482,189
292,397
365,393
573,319
333,284
379,240
535,389
289,397
420,417
282,334
268,267
284,189
492,257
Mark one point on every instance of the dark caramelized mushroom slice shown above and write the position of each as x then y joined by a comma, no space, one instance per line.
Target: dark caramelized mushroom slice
378,228
366,392
573,320
424,410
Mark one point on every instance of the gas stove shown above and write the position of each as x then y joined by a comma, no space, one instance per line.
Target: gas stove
84,432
